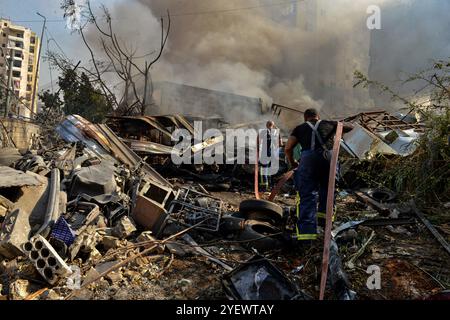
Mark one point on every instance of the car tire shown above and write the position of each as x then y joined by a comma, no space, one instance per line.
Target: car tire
257,234
262,210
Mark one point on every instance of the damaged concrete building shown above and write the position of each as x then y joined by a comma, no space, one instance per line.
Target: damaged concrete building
171,97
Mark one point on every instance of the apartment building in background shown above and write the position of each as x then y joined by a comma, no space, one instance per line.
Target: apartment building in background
19,54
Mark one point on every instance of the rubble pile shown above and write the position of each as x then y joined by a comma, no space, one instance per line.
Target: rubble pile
90,219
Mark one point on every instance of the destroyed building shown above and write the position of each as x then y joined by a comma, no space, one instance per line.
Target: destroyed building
92,204
171,97
101,210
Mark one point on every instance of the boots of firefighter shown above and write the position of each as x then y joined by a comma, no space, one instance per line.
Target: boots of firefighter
306,181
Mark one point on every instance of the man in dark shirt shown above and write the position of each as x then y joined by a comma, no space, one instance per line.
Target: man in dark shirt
311,176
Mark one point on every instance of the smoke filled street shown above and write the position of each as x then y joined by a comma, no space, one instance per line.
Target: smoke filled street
236,152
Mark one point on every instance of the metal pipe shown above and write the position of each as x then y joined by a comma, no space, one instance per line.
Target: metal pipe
53,201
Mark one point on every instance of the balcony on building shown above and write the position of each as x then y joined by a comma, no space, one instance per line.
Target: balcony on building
16,38
17,28
18,56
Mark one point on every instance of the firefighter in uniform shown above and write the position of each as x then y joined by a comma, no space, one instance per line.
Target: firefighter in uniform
311,176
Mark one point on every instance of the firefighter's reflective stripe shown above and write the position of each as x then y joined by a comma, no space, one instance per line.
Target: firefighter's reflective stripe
321,215
297,206
302,237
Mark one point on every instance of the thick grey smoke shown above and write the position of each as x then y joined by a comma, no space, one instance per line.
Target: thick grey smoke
414,33
254,53
300,54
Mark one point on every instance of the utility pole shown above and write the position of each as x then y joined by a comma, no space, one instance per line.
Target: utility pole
38,62
9,85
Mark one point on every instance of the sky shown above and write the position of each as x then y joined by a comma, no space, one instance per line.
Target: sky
408,40
23,12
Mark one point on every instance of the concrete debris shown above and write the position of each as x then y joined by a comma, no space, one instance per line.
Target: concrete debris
147,237
15,233
124,228
93,181
114,277
103,214
19,289
84,243
5,206
8,156
14,178
109,242
50,295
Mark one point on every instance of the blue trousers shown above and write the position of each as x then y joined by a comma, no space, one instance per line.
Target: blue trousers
311,183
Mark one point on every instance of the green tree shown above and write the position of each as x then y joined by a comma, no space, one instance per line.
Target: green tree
425,175
51,112
82,97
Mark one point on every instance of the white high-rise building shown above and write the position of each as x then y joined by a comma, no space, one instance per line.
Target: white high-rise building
19,52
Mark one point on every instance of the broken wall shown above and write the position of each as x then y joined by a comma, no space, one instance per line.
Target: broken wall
171,98
24,134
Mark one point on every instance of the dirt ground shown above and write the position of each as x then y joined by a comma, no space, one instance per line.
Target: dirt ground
413,264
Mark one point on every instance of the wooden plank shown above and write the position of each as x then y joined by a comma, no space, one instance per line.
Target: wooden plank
430,227
330,209
375,204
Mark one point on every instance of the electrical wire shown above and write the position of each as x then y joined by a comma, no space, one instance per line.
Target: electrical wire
194,13
49,67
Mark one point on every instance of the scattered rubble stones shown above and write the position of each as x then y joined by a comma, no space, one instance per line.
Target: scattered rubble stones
90,275
124,228
188,277
121,294
19,289
114,277
145,236
50,295
109,242
82,294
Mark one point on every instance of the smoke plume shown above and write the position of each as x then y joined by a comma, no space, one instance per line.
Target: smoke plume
297,53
